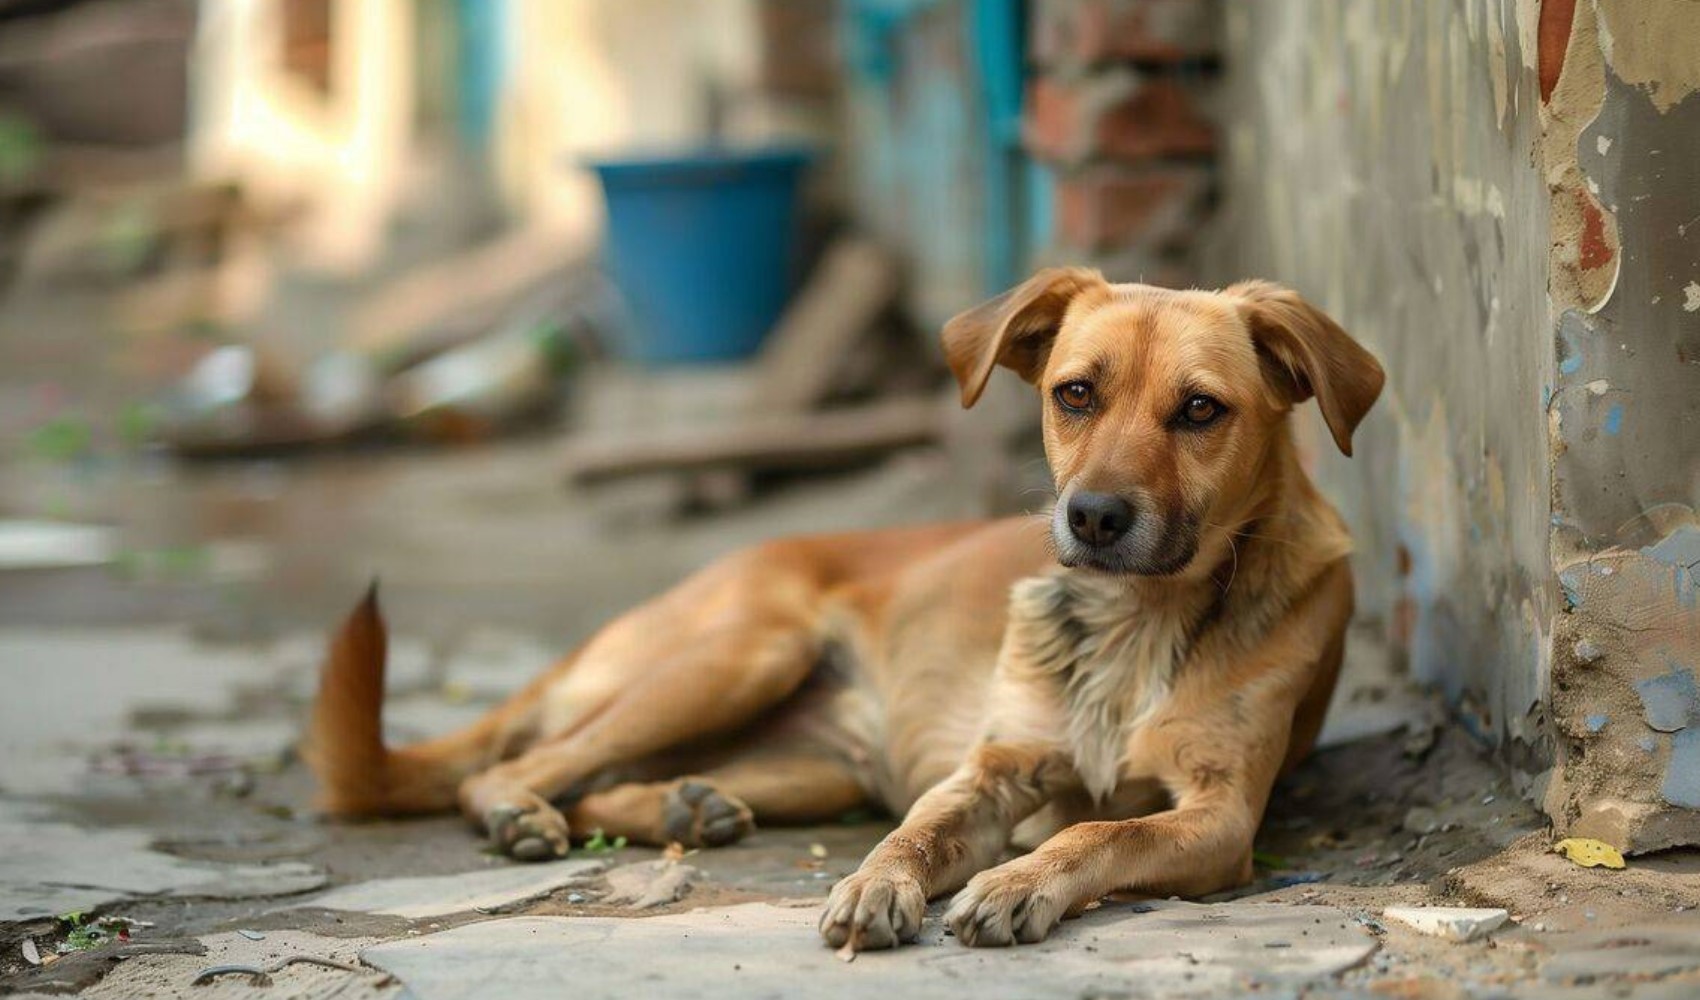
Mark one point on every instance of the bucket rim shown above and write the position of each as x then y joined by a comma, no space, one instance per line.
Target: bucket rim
682,164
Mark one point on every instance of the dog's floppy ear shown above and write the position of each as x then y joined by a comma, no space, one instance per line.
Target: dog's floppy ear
1312,354
1014,330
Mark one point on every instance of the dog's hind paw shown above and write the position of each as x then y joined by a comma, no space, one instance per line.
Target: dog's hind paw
699,815
529,831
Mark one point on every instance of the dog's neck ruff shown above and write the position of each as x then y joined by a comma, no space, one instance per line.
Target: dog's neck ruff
1111,651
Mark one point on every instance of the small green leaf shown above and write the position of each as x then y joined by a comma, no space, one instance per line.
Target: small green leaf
61,439
136,423
598,843
20,149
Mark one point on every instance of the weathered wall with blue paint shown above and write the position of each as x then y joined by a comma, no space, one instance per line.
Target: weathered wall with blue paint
1502,198
1622,156
934,120
916,146
1378,160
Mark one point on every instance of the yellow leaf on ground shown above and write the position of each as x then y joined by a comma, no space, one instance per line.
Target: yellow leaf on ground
1589,853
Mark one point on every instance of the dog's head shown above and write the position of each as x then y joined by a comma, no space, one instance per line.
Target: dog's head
1160,407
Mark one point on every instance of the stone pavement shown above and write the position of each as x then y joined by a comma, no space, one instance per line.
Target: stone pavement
176,804
147,774
52,868
760,949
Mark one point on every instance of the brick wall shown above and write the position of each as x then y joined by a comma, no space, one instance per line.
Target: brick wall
1119,107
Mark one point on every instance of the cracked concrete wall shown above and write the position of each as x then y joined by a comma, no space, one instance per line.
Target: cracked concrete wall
1502,198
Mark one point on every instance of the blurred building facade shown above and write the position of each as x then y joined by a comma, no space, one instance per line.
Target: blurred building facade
337,98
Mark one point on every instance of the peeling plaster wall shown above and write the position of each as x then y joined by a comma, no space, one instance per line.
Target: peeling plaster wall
1502,199
1623,142
1380,161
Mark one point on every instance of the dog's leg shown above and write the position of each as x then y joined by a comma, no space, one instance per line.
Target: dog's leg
956,829
1195,850
1201,845
720,681
721,805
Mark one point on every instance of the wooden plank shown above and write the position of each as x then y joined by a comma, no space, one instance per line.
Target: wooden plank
852,285
813,441
402,319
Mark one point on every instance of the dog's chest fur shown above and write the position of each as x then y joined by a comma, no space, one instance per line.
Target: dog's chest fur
1106,658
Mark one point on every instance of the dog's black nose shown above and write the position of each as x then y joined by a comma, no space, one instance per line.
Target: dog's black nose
1098,519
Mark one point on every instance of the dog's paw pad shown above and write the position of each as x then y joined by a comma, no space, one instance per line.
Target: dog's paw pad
529,832
699,815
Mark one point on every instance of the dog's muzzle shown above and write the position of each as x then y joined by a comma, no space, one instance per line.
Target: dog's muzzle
1112,533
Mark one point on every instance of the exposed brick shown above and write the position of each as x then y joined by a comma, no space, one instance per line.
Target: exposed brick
1115,115
799,48
1105,208
1552,38
1086,32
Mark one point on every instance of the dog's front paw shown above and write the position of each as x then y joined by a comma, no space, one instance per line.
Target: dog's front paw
1012,903
873,909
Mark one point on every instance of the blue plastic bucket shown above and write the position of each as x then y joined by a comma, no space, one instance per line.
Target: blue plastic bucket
703,248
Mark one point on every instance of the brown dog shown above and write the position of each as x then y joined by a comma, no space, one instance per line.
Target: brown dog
1127,712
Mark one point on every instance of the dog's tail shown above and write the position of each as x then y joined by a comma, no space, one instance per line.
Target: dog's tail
357,774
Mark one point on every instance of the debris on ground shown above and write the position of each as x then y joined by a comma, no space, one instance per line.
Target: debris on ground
1454,923
83,932
40,544
449,379
648,884
263,977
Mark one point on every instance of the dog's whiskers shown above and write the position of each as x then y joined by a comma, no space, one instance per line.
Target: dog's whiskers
1243,533
1234,572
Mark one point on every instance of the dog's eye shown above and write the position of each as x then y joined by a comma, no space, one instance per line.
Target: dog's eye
1200,410
1076,396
